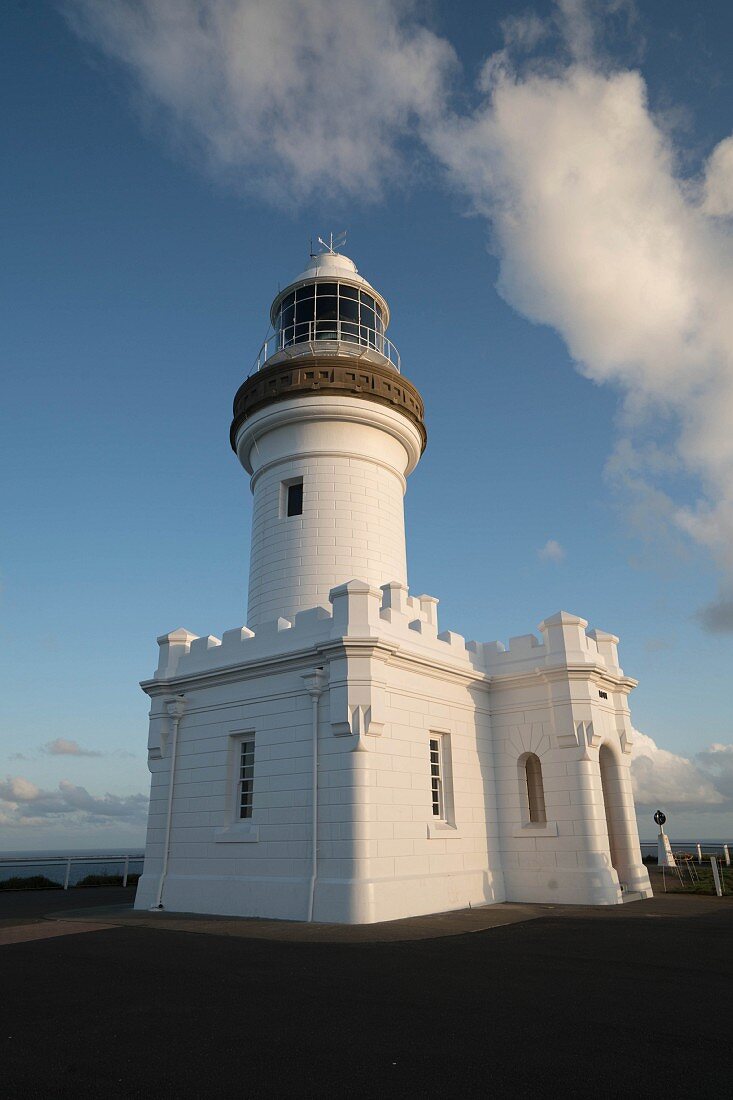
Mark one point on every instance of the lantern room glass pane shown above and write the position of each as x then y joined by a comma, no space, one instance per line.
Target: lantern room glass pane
303,310
348,309
326,308
348,291
327,330
327,289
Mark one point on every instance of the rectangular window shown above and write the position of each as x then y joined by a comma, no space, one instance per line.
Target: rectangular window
245,789
436,778
295,499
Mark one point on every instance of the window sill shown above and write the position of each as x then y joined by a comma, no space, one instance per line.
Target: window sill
442,830
239,833
529,830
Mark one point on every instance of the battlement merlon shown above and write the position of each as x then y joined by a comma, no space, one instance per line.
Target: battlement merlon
173,646
360,611
565,642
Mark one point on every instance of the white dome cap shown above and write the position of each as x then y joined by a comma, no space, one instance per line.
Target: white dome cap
333,265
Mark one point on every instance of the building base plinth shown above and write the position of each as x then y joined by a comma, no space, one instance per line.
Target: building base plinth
336,901
597,886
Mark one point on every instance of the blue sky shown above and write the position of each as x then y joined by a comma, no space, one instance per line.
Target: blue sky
143,243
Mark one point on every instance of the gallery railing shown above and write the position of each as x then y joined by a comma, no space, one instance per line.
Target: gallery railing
349,334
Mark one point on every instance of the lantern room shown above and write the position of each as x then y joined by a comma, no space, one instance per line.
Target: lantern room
330,303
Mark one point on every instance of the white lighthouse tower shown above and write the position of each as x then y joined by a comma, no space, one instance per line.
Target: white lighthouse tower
339,758
329,432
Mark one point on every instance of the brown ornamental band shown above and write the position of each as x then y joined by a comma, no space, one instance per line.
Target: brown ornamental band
324,375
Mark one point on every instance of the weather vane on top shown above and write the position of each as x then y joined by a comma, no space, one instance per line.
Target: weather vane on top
333,244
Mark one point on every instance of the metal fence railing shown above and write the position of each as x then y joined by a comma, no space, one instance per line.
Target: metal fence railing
350,336
67,871
696,849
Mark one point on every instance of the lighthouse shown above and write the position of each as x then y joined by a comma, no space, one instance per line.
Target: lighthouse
340,757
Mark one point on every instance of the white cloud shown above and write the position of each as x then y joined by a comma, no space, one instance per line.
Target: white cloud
664,779
718,185
600,238
551,551
61,747
283,98
23,804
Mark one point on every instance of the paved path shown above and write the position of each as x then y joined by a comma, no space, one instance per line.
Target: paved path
618,1002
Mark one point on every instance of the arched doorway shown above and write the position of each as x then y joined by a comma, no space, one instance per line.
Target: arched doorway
614,804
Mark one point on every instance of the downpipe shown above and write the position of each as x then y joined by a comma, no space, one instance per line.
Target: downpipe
314,684
175,710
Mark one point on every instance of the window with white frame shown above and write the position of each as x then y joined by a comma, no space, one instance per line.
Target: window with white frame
246,780
436,778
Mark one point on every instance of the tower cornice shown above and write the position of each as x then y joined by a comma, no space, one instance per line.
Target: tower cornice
319,375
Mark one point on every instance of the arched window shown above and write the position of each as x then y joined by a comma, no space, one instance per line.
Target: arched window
535,789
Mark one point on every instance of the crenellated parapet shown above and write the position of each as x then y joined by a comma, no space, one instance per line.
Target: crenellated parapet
409,624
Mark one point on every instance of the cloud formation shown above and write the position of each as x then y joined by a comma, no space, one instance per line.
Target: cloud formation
61,747
601,239
599,234
552,551
284,98
24,804
665,779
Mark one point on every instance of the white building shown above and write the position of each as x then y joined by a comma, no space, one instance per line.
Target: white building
341,758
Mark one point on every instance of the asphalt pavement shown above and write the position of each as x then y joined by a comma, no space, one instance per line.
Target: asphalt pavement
607,1002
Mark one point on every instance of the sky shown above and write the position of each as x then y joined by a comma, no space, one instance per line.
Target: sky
544,194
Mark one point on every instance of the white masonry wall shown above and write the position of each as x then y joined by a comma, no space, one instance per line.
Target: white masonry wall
352,526
391,681
353,456
548,700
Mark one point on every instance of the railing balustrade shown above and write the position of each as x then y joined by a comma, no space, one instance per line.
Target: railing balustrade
62,866
320,331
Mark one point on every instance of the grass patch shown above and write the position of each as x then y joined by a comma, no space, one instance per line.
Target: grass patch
705,883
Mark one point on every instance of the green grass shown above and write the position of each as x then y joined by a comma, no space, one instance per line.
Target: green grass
705,883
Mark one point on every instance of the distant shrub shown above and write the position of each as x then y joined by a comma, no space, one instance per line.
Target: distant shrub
33,882
108,880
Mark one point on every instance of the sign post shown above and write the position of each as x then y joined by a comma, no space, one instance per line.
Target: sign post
665,858
716,876
664,848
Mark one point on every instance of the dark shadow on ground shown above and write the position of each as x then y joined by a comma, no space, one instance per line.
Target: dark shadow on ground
555,1006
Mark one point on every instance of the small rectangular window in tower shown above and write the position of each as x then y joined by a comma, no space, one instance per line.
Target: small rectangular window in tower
292,497
245,792
295,499
436,778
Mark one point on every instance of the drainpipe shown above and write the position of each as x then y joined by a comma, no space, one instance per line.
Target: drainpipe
175,709
314,684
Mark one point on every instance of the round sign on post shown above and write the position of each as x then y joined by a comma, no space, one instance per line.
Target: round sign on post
660,817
